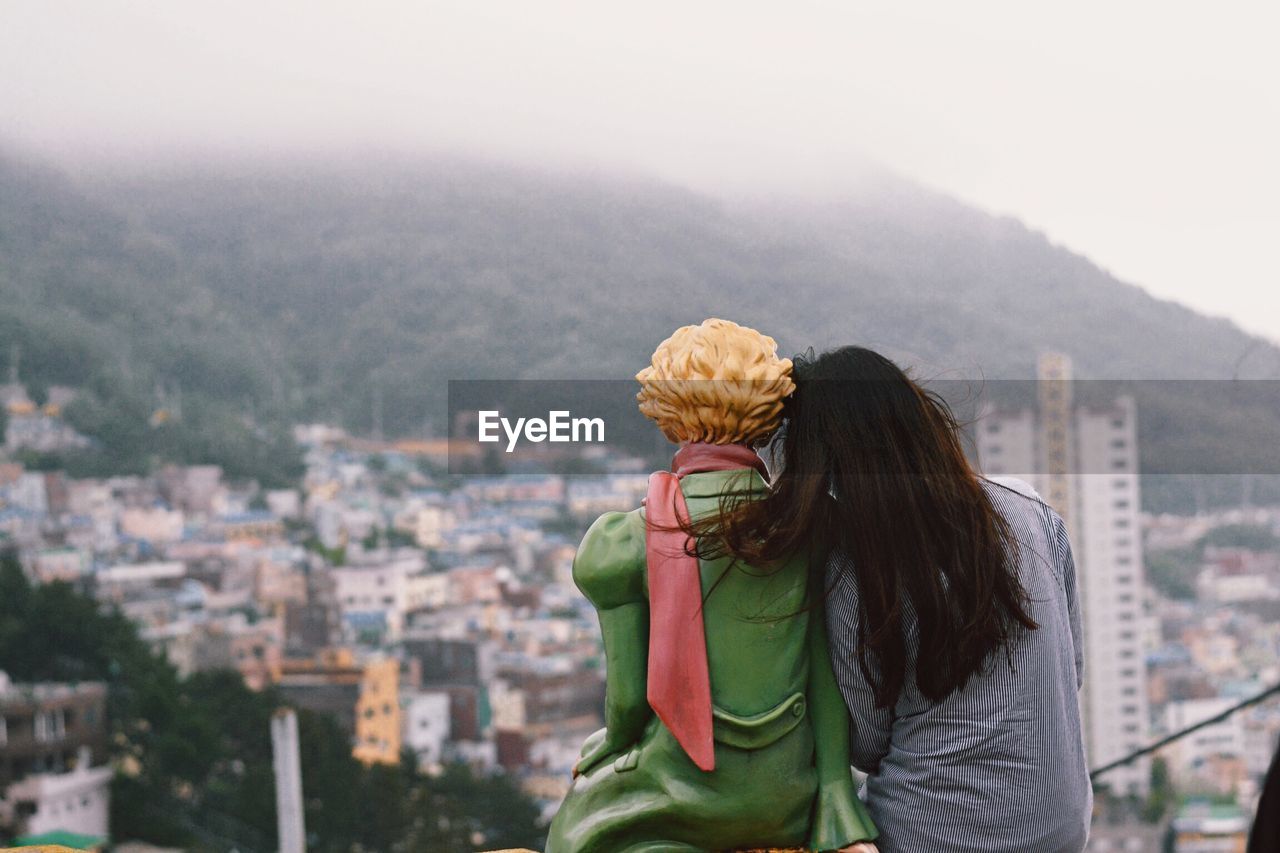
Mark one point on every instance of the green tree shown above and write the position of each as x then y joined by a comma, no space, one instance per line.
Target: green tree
1174,572
1162,795
460,810
1250,536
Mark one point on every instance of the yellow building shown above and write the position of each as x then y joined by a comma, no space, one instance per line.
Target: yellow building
363,698
378,714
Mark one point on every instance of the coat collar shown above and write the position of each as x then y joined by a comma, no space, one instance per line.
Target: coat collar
709,484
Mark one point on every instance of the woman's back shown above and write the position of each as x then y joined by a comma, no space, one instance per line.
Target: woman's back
998,765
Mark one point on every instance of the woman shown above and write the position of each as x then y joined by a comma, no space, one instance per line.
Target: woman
951,607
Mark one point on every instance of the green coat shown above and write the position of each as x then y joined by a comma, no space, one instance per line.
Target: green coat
773,694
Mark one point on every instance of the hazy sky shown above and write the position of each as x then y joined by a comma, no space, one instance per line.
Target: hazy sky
1143,134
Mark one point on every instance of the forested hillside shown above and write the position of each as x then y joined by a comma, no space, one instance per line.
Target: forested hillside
259,292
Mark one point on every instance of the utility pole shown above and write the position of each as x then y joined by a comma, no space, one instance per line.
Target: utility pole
284,754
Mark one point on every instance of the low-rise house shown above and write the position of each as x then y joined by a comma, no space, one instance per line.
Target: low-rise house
1201,827
426,721
155,524
51,735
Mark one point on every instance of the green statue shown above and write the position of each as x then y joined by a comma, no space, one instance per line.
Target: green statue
724,728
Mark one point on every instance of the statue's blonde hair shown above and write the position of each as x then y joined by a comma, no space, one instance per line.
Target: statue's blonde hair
717,382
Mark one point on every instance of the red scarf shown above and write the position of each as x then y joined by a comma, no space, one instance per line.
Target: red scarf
679,686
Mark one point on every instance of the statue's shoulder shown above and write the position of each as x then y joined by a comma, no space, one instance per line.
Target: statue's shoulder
609,567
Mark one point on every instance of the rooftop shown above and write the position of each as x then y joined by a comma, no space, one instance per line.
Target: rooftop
13,692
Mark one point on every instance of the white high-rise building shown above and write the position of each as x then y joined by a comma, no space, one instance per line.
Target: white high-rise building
1083,459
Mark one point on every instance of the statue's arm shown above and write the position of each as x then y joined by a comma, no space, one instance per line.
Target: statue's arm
839,817
609,569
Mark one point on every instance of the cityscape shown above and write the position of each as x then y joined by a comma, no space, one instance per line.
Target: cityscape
346,351
432,617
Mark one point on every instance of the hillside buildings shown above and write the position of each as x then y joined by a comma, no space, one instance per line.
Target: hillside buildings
40,429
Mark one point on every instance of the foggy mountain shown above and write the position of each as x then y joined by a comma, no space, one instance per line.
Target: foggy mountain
294,290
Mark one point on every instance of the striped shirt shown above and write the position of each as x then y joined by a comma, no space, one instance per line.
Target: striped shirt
998,765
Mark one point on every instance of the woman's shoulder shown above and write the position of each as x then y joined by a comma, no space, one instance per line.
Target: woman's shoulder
1018,501
1038,529
1013,484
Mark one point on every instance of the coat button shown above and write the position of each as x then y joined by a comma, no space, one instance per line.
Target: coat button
797,708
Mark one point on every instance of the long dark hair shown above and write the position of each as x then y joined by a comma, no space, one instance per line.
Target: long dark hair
875,478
